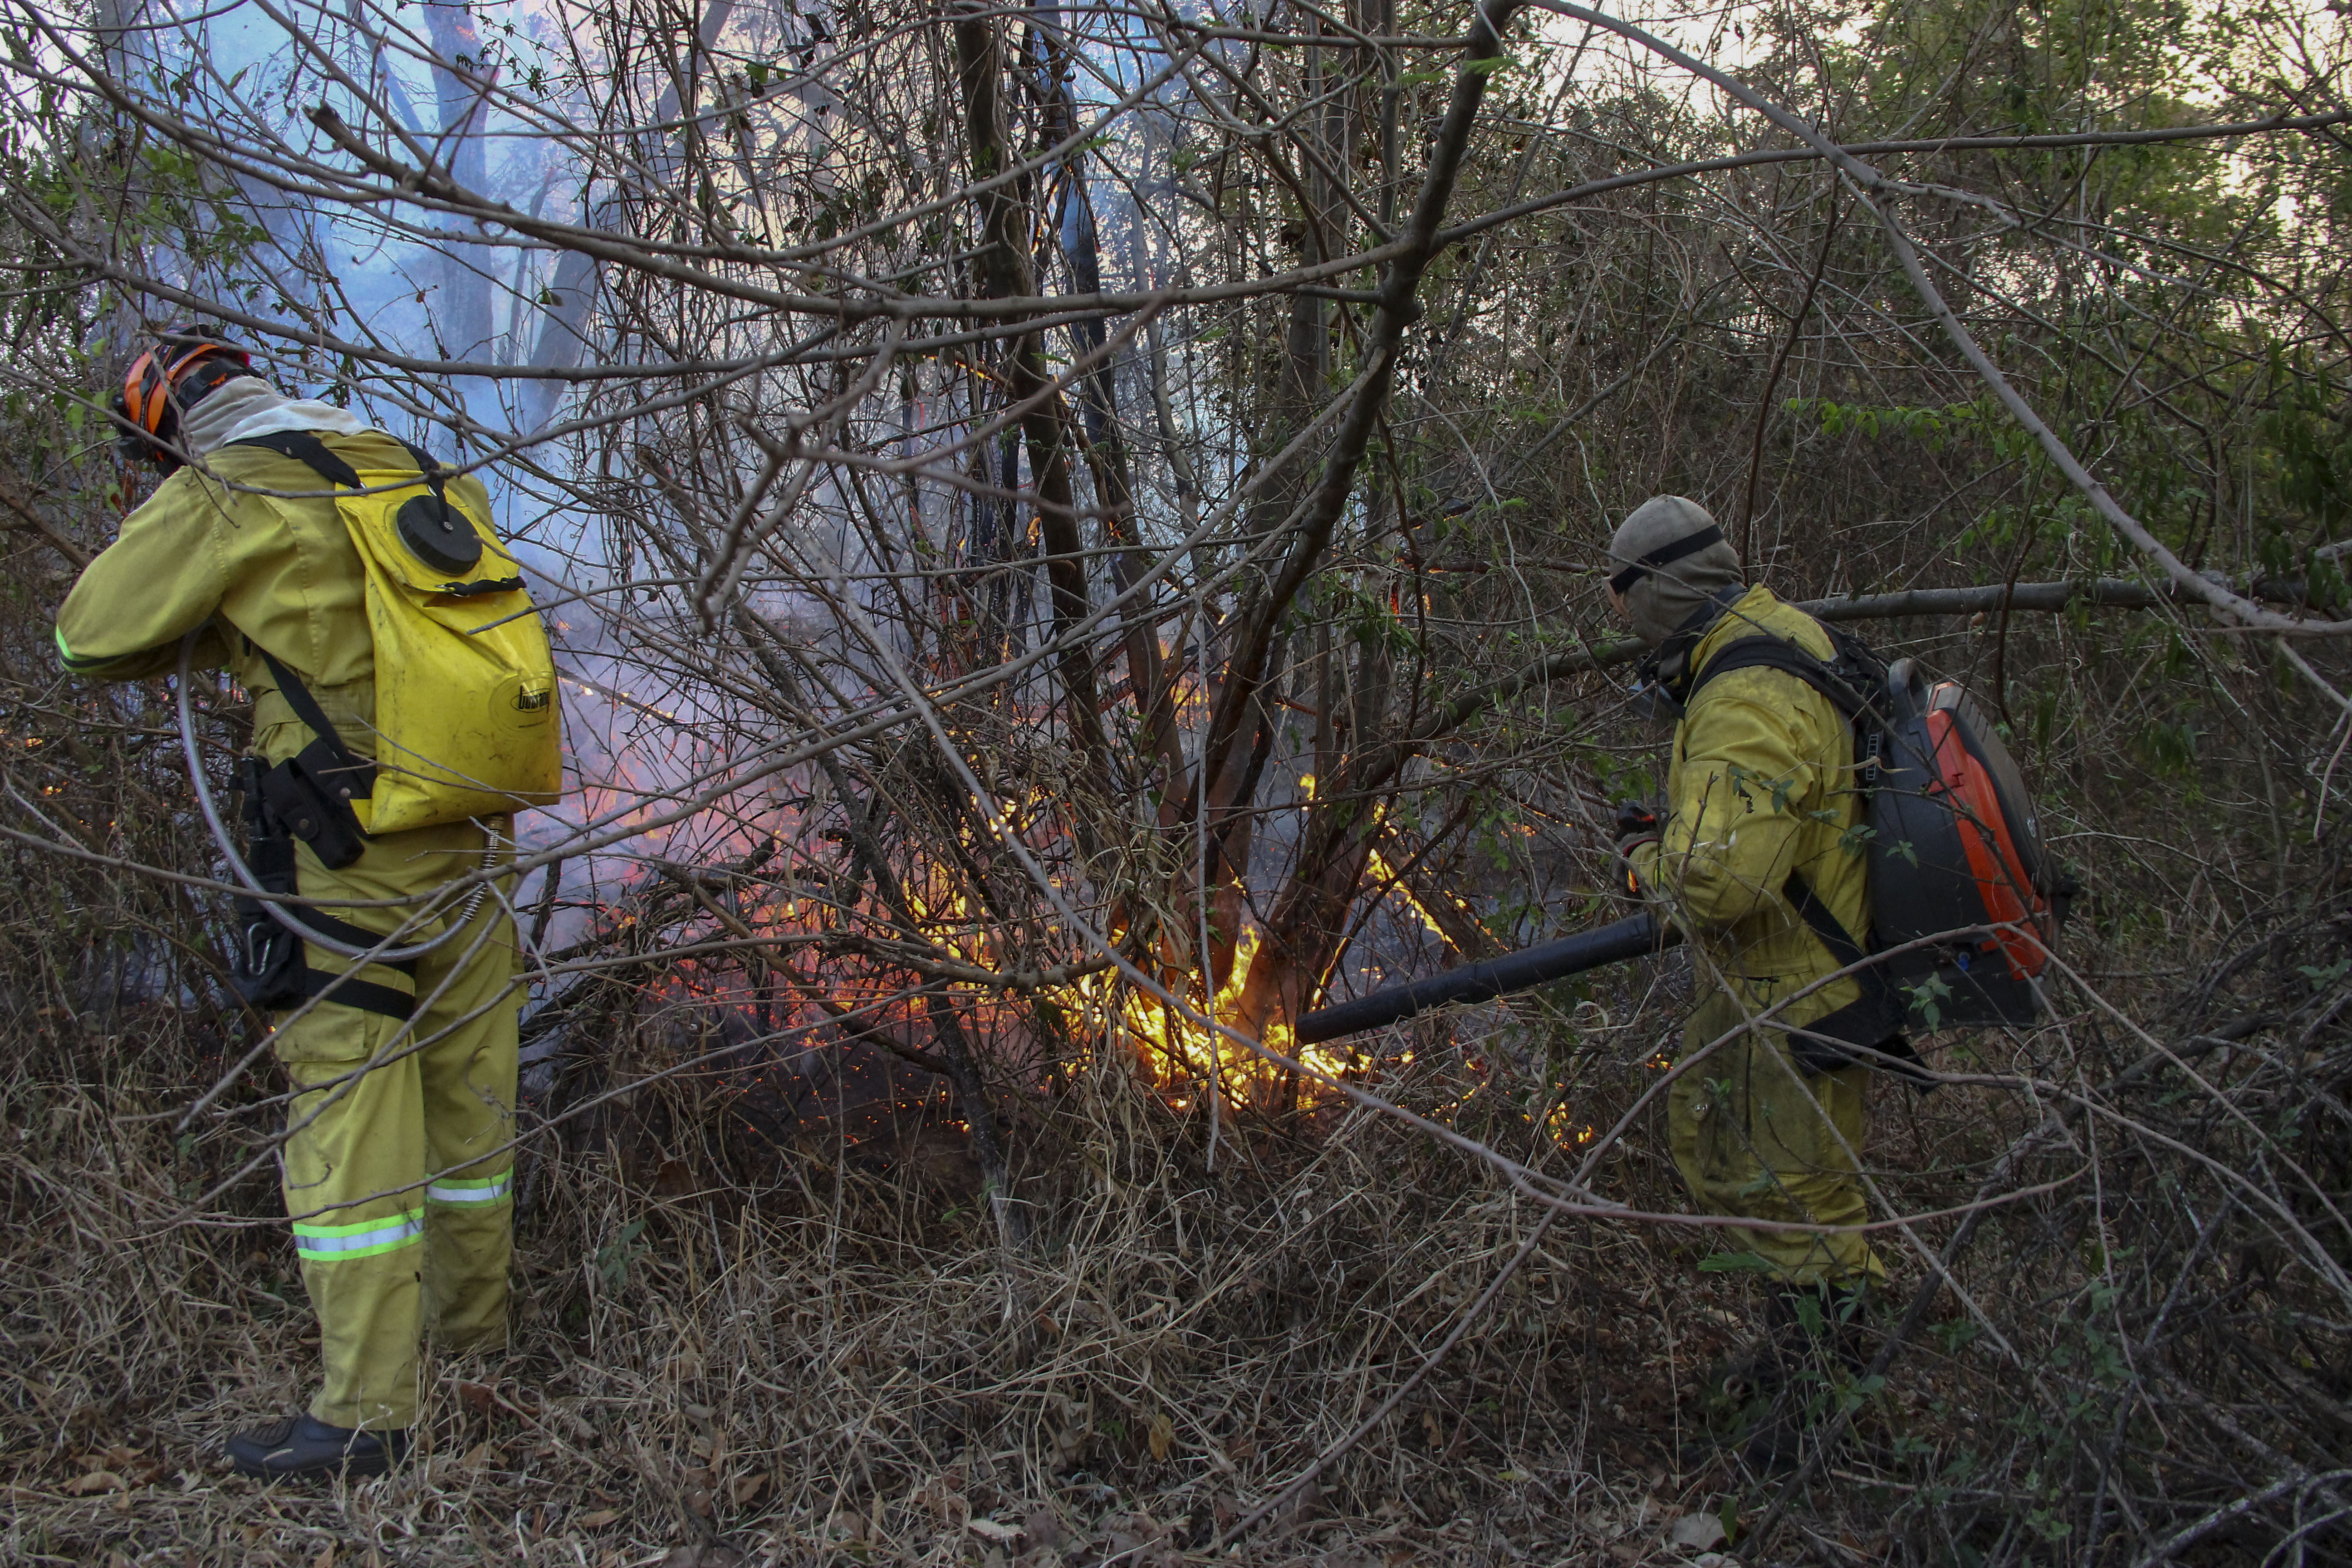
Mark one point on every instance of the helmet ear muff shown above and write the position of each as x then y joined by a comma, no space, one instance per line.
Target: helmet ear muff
145,426
190,361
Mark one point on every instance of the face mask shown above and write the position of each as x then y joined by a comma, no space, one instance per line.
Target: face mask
1666,672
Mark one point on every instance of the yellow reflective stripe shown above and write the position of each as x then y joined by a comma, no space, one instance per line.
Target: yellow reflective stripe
361,1238
472,1189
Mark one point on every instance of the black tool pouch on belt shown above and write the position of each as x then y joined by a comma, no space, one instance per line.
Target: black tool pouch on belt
312,792
268,966
308,797
300,792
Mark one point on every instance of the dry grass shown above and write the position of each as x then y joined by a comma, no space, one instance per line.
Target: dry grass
762,1354
835,1360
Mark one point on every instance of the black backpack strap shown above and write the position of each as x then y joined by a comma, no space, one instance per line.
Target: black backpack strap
429,469
364,994
350,935
427,464
305,447
311,452
1831,930
1871,1022
1764,651
306,708
269,967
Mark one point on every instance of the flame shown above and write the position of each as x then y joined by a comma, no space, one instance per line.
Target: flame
1565,1129
1185,1055
1379,867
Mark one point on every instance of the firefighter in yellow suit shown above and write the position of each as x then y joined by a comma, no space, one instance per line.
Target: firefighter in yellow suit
397,1164
1759,857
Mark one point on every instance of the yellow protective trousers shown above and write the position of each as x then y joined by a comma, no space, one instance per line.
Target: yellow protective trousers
1756,1138
398,1175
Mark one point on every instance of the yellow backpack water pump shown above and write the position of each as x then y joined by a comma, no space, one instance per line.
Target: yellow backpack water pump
467,722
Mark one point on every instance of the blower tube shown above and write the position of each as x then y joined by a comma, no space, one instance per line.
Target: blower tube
1489,978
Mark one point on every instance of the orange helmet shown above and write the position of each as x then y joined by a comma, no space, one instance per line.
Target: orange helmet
188,363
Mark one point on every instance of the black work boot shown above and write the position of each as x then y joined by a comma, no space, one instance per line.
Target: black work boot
299,1447
1813,1337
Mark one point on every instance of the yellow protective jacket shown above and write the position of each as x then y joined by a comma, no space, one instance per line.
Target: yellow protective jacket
1761,786
282,572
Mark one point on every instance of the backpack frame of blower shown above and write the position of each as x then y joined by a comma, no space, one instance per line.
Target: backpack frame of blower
1955,855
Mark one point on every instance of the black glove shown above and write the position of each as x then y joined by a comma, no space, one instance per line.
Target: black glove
1637,825
1636,822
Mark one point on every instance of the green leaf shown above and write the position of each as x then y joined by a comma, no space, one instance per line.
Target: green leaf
1927,998
1738,1263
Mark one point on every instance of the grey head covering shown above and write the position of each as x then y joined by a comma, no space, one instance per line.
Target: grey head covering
206,423
1669,560
248,405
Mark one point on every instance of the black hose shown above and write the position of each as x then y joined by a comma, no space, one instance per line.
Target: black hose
1492,978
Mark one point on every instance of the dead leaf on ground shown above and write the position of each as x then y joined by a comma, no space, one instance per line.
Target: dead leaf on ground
1702,1530
707,1554
942,1498
326,1558
96,1481
1303,1507
746,1488
483,1456
1161,1437
599,1519
991,1530
1043,1526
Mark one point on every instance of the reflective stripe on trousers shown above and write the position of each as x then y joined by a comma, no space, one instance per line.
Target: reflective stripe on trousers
470,1190
364,1238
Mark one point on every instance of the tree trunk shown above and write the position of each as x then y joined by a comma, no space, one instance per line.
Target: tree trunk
1004,271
